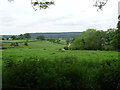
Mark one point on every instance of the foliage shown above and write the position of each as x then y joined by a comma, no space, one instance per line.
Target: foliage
44,4
40,37
26,43
118,24
13,37
108,76
87,40
21,36
52,39
92,39
100,4
117,37
34,73
66,47
28,67
61,72
27,36
41,4
70,40
14,44
113,38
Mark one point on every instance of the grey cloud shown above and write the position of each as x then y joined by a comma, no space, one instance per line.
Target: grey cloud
73,23
54,19
68,24
48,20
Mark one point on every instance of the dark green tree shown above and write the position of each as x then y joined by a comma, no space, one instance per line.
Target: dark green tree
111,38
27,36
41,37
70,40
26,43
13,37
52,39
21,36
90,39
117,37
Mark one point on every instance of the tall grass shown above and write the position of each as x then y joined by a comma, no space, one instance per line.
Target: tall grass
65,72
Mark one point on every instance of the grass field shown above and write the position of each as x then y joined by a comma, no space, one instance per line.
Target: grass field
9,41
88,66
51,50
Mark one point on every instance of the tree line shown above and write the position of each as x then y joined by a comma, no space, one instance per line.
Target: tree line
18,37
92,39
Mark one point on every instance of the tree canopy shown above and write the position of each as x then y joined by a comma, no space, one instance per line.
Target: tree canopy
100,4
27,36
13,37
44,4
92,39
41,37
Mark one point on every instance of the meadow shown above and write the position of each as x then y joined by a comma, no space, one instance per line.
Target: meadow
42,64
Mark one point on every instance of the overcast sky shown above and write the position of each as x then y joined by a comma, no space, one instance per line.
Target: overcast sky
19,17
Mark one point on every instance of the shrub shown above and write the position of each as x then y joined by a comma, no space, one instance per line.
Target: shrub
108,47
40,73
60,73
109,76
66,48
26,44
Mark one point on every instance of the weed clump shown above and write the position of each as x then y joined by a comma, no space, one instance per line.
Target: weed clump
26,44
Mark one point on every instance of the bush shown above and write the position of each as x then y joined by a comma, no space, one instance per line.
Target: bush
26,44
109,76
65,72
72,47
108,47
66,48
34,73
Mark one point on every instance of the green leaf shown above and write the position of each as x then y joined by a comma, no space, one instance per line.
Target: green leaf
35,3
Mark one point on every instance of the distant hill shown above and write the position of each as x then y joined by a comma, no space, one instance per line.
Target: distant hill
64,35
5,36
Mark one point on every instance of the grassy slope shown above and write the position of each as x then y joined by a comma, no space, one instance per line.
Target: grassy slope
66,72
51,50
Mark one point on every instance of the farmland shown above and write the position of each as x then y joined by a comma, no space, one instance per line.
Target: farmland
42,64
51,50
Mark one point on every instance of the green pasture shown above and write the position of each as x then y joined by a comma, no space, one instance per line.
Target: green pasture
10,41
51,50
42,64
